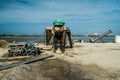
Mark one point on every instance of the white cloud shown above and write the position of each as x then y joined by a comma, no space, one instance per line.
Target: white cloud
46,10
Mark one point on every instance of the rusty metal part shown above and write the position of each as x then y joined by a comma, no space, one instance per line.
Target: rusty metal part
66,32
25,62
48,35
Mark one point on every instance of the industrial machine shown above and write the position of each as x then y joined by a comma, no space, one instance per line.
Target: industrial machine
59,33
101,36
23,49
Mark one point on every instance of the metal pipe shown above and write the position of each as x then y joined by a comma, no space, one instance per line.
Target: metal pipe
25,62
101,36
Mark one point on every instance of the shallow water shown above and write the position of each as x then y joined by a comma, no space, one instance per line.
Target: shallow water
38,39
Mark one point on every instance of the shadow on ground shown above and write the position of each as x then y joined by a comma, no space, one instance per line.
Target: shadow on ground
56,69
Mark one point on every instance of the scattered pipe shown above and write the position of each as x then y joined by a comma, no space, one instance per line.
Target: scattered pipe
25,62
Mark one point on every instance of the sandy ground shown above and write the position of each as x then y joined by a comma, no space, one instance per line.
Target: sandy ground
96,61
104,55
3,51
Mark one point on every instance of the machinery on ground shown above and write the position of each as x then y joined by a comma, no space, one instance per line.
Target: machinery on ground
59,33
101,36
23,49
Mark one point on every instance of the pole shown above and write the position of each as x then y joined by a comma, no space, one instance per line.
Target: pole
25,62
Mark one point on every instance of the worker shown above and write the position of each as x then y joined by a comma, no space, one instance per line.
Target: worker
58,29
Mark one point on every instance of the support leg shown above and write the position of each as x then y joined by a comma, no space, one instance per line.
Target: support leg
55,44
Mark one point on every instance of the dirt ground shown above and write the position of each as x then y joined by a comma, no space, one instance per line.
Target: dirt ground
3,51
86,61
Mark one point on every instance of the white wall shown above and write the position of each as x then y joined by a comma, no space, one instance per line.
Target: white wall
117,39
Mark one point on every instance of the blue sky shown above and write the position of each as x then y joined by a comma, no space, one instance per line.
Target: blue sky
81,16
